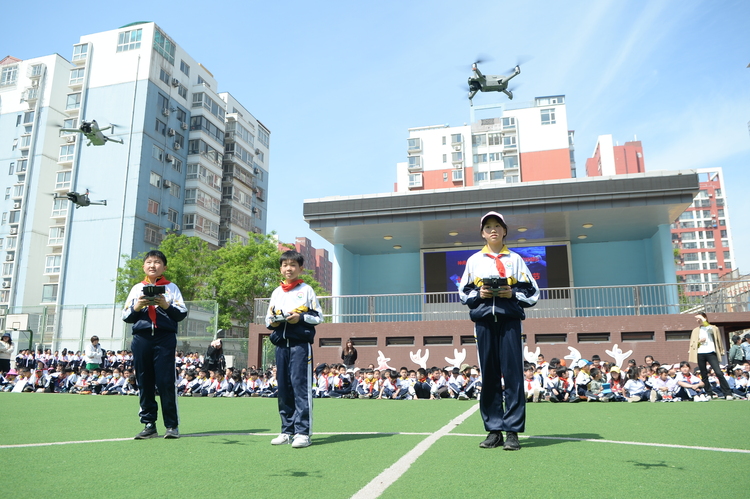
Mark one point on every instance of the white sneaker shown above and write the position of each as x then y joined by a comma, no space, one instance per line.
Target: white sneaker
699,398
282,439
729,397
301,441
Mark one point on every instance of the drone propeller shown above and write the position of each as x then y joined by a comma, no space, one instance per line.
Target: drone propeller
521,60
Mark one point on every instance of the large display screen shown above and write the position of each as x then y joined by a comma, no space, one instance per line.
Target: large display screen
548,264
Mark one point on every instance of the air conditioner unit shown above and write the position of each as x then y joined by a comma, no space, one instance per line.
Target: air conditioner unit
17,205
177,146
6,284
167,184
169,158
70,139
184,125
14,230
9,258
256,171
175,82
175,226
710,195
257,151
165,112
171,132
456,148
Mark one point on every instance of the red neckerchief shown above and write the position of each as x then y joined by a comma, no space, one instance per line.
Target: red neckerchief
288,287
160,281
498,264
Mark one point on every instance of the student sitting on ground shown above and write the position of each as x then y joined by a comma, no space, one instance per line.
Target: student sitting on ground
531,386
690,386
663,387
595,391
635,388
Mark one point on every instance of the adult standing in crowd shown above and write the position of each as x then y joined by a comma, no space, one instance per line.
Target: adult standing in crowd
6,352
215,357
706,347
93,354
349,354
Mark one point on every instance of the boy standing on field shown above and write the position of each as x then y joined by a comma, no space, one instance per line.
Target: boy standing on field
293,313
154,313
497,286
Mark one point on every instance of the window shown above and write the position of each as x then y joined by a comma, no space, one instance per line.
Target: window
495,139
480,158
7,269
509,122
10,243
690,257
160,127
414,144
164,46
181,115
174,189
7,193
184,68
263,136
9,75
173,216
495,156
49,293
76,76
457,156
56,236
164,76
152,234
157,153
509,141
59,208
497,175
162,103
129,40
182,91
15,216
177,165
480,176
155,179
479,140
66,153
52,264
414,162
510,162
415,180
63,180
458,175
456,138
70,123
201,99
548,116
153,207
80,52
73,101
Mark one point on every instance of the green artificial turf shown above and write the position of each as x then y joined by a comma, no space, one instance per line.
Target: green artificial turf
225,450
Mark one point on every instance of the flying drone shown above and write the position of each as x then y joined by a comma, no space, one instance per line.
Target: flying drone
81,200
479,82
93,133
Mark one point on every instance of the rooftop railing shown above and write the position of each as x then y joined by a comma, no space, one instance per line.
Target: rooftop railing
591,301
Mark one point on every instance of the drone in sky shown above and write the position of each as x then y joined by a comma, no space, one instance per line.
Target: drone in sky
81,200
93,133
479,82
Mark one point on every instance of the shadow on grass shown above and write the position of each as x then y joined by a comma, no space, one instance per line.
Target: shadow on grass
546,440
648,466
299,474
333,439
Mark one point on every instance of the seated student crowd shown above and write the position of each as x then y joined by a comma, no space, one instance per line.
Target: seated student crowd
593,381
336,381
599,382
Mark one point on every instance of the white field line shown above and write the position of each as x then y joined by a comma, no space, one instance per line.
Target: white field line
384,480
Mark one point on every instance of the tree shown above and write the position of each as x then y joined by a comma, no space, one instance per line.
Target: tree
190,263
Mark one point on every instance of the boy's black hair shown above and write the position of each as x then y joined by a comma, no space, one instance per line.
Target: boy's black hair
422,372
595,357
561,371
594,371
529,367
291,255
684,363
703,314
156,254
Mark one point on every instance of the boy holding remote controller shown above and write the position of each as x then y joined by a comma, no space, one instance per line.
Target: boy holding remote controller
497,287
154,307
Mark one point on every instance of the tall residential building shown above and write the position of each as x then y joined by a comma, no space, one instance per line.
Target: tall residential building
610,159
316,260
703,236
193,161
527,142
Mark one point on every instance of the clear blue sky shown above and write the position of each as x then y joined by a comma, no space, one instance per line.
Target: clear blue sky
339,82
